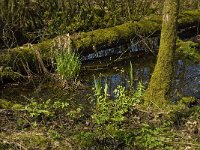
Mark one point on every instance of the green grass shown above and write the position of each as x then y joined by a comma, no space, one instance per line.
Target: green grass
68,65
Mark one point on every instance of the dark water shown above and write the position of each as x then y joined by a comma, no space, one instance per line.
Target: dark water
114,69
187,79
186,75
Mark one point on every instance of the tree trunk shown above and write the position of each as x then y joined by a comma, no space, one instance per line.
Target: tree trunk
158,89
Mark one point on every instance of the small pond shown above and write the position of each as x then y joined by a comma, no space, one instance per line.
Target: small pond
113,69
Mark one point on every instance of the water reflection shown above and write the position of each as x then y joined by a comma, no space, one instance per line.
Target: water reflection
187,78
135,45
186,75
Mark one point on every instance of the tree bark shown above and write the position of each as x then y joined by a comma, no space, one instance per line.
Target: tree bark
158,89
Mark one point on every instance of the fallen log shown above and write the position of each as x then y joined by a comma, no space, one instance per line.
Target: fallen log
27,58
96,40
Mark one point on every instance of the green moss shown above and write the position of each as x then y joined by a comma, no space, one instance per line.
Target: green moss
187,100
113,35
28,140
31,140
189,17
45,48
154,18
5,58
124,32
188,50
8,73
5,104
34,140
17,107
158,90
148,27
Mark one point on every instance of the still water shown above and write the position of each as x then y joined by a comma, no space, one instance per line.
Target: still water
112,67
116,70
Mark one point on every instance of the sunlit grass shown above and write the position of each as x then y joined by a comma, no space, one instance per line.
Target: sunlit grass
68,65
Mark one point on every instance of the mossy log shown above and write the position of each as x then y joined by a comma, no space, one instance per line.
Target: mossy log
90,42
27,58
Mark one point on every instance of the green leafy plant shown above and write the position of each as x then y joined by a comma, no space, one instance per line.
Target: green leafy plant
97,86
148,137
67,62
114,110
138,94
188,49
109,115
46,108
68,65
131,75
54,134
53,110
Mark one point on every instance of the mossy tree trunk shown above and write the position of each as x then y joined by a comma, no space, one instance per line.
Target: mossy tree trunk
158,89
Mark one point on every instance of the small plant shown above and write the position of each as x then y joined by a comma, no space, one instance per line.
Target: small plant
46,108
110,115
68,65
131,76
67,62
114,110
188,49
150,138
138,95
54,134
97,86
53,110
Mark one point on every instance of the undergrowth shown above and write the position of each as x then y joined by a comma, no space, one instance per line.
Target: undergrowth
188,49
117,122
